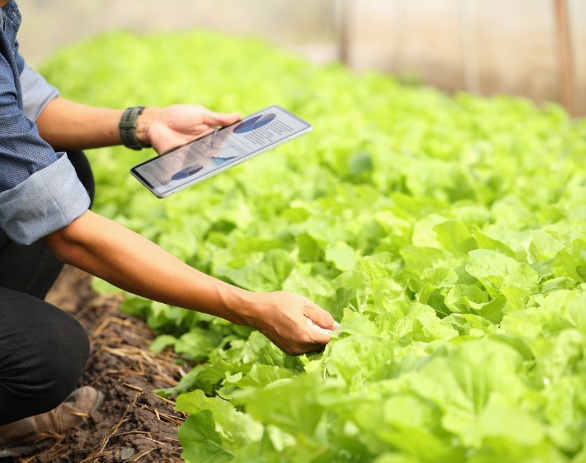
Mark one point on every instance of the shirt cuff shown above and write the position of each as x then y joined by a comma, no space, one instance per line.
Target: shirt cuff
36,93
47,201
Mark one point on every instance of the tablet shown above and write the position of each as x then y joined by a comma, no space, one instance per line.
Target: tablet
229,146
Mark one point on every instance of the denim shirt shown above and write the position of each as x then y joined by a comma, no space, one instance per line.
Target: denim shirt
39,189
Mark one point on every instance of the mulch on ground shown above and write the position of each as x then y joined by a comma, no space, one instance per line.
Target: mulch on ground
134,424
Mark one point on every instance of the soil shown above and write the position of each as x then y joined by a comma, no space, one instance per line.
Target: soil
134,424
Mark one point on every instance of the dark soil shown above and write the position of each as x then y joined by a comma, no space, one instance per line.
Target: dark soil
134,424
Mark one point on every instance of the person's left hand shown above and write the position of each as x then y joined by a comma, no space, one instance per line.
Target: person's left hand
175,125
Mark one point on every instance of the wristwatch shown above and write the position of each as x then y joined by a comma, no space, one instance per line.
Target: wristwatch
128,128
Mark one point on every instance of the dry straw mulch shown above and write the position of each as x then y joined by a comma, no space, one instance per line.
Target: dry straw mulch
134,424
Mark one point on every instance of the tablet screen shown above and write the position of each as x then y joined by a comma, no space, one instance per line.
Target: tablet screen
228,146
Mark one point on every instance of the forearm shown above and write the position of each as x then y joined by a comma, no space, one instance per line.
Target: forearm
131,262
67,125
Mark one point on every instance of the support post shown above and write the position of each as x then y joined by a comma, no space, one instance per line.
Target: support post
468,43
566,65
344,21
399,35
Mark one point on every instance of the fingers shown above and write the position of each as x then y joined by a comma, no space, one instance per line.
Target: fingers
321,336
288,321
321,318
316,328
214,119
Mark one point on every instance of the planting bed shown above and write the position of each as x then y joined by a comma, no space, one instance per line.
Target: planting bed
133,424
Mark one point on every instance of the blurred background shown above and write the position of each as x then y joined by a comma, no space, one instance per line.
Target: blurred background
530,48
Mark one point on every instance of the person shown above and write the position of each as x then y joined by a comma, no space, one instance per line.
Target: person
46,192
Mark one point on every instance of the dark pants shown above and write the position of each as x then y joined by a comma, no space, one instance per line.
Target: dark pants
43,350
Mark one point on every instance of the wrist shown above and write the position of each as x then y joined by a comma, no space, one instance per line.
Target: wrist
241,307
144,123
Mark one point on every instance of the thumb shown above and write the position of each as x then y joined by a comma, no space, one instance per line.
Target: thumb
214,118
322,318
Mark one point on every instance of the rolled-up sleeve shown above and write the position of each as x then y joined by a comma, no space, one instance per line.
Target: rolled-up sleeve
47,201
39,189
37,93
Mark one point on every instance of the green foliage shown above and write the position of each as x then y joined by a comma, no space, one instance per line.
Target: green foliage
447,234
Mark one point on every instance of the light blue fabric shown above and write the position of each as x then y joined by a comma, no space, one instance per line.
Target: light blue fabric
48,201
37,93
23,154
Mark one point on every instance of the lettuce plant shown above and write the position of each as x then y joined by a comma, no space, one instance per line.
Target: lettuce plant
447,233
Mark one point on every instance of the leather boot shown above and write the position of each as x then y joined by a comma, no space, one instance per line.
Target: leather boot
28,435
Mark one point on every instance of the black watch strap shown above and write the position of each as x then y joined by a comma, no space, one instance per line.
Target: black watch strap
128,128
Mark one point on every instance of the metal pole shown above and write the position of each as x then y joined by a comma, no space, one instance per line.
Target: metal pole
344,20
399,36
468,43
564,41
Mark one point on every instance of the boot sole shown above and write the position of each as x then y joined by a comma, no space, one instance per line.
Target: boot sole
30,449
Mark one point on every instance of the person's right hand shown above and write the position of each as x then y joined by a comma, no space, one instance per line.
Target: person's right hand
285,318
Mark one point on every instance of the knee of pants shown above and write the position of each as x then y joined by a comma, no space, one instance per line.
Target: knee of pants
64,360
43,369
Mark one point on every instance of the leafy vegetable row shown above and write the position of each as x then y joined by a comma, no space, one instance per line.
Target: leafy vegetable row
446,233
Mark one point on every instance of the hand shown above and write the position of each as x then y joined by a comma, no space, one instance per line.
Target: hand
175,125
286,319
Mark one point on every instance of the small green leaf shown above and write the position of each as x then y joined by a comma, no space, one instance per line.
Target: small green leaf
201,442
